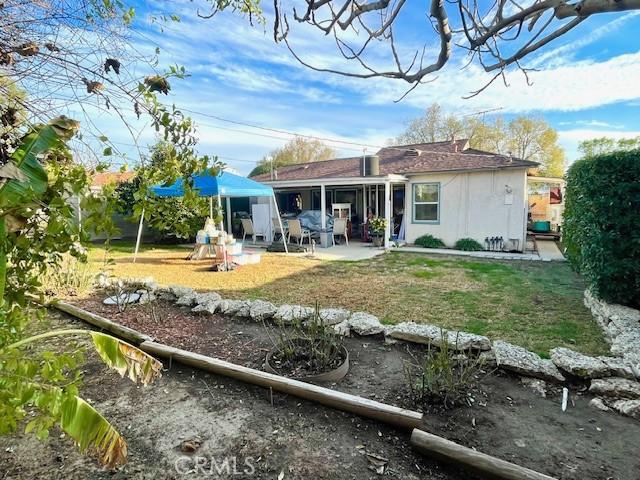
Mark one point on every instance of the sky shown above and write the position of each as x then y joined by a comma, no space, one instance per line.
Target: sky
586,84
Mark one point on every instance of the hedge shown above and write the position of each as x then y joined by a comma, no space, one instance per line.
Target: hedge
602,224
468,245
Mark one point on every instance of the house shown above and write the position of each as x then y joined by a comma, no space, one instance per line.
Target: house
445,189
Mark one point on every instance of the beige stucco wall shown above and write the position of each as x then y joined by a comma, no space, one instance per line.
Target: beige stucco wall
474,205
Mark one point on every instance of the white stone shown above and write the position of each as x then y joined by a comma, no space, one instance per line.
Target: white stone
343,328
599,403
433,335
631,408
578,364
615,387
261,310
535,384
187,299
207,297
235,308
122,299
621,367
333,316
209,307
288,314
522,361
364,323
178,290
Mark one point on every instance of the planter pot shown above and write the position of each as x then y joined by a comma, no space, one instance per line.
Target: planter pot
334,375
377,241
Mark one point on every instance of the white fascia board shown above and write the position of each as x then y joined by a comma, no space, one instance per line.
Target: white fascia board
337,181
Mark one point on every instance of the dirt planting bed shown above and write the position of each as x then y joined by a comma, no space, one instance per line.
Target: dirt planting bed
304,440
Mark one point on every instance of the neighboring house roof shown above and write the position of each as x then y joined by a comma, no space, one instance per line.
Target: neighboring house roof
105,178
404,159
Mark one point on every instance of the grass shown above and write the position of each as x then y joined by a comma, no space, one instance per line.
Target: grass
534,304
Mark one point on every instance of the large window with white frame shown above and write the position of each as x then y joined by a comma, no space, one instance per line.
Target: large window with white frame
426,202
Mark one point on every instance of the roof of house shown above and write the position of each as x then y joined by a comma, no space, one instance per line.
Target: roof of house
404,159
105,178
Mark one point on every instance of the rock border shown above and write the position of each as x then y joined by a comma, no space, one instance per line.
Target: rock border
620,324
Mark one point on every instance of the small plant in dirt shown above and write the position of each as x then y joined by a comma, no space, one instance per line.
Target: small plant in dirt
70,277
429,241
443,376
306,348
468,245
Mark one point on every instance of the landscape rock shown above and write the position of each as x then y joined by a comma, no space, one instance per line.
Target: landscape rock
333,316
178,291
616,387
288,314
209,307
622,367
535,384
364,323
631,408
343,328
122,299
524,362
488,359
431,334
235,308
261,310
208,297
188,299
599,403
578,364
626,342
146,297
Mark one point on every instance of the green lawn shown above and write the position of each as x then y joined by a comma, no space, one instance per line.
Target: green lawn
534,304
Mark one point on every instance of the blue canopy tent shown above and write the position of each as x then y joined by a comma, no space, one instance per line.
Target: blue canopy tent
224,184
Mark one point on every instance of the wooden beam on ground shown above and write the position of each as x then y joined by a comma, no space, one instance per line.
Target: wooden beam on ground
343,401
101,322
481,463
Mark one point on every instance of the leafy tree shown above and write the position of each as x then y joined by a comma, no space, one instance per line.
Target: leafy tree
296,151
37,226
528,138
602,145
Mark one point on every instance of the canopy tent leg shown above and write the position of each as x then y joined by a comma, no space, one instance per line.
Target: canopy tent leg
220,207
284,237
228,199
211,208
139,237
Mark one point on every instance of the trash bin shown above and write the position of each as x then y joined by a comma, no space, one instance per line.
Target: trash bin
325,238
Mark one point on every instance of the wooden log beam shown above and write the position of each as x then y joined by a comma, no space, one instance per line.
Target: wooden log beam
343,401
480,463
127,333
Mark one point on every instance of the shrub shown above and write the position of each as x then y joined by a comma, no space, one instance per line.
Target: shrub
429,241
602,224
468,245
442,376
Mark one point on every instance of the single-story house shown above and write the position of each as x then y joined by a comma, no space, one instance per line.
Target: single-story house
445,189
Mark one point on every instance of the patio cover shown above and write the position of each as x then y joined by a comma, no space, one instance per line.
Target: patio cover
224,184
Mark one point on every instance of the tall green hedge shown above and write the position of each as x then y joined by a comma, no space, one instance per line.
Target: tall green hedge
602,224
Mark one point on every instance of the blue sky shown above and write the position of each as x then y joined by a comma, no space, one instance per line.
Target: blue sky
587,84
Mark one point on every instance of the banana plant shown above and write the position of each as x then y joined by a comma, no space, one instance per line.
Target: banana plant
33,379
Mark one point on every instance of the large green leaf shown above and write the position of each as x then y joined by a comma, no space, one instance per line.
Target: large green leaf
126,359
92,432
32,184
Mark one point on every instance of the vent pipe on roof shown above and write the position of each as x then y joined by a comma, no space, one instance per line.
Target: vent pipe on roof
370,166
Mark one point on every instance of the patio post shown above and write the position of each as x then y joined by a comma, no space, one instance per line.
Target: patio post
211,208
387,212
220,207
364,210
323,207
228,214
139,236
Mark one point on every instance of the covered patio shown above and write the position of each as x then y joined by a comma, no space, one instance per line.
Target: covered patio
356,198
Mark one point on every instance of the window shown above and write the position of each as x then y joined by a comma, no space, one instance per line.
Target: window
426,202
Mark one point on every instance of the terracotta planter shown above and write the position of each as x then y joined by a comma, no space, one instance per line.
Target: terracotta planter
334,375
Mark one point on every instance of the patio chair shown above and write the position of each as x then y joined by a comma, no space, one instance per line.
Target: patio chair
276,228
247,229
296,231
340,228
